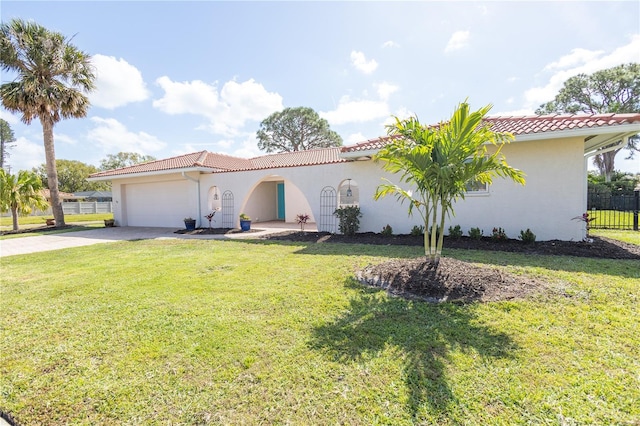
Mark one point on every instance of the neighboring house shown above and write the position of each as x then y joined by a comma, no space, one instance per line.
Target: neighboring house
64,196
553,151
98,196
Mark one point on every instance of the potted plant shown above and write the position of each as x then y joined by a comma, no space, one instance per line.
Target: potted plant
189,223
245,222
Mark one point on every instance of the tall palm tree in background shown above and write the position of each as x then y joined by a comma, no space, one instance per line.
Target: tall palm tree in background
52,77
439,162
21,193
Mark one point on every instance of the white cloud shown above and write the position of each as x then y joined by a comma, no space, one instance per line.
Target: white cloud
226,111
580,61
356,111
402,113
386,89
575,58
113,136
355,138
389,43
12,119
117,83
458,40
359,61
25,155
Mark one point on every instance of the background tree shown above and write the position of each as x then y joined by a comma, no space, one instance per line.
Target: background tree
123,159
72,176
20,193
296,129
52,75
6,141
438,162
614,90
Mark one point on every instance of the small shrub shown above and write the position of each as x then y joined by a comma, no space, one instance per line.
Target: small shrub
498,234
349,219
302,220
475,233
528,236
455,232
417,230
387,231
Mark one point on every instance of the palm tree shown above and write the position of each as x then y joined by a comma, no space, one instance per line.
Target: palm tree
439,162
20,194
52,75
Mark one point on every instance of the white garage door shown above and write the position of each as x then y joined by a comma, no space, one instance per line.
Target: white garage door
163,204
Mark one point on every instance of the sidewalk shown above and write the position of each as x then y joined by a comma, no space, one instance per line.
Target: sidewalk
40,243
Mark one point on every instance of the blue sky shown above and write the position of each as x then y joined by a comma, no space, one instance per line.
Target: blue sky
178,77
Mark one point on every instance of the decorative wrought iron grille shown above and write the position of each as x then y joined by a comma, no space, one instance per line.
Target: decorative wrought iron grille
228,215
328,202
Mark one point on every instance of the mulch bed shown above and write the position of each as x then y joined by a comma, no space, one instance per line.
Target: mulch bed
458,281
600,247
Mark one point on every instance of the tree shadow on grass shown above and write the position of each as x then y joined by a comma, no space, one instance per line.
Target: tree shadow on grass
424,333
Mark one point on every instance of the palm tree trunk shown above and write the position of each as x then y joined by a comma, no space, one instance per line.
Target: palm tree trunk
14,217
441,234
434,233
52,172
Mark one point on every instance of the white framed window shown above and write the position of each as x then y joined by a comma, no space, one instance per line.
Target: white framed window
477,188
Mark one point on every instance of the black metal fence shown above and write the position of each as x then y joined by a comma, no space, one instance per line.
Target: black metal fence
613,211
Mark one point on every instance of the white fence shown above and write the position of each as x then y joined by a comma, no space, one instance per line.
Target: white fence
80,207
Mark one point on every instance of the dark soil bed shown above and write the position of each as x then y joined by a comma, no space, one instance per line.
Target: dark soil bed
459,281
599,247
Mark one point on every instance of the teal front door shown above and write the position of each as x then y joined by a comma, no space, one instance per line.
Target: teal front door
280,187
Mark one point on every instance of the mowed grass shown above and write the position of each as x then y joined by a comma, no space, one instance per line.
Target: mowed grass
82,222
7,221
230,332
631,237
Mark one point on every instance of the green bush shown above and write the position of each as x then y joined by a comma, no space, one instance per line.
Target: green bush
349,219
417,230
455,232
527,236
475,233
387,231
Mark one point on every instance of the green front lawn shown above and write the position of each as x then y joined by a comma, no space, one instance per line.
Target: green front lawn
36,224
230,332
631,237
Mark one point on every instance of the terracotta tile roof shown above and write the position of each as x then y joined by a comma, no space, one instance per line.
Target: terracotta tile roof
555,123
527,125
294,159
195,159
219,163
377,143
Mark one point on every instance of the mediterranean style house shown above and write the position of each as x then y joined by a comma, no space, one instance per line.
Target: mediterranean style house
551,150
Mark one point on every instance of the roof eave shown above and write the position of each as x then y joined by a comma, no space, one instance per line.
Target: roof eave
154,173
355,155
632,128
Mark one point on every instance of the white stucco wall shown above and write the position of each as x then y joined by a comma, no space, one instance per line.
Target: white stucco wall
553,195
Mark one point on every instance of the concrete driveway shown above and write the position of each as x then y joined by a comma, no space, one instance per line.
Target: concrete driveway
34,244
